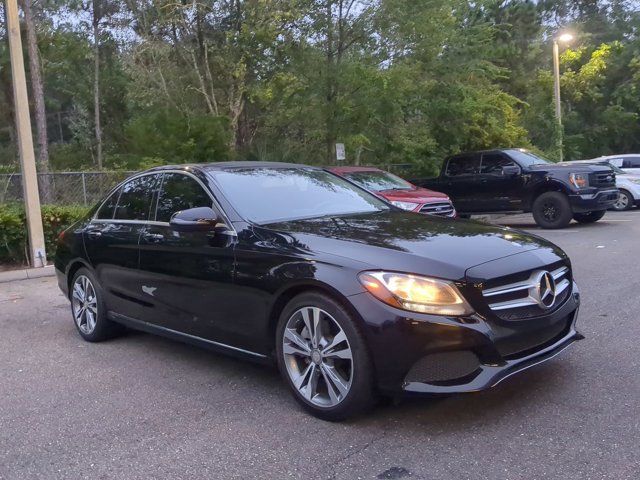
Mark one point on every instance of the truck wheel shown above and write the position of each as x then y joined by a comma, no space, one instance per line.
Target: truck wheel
589,217
625,202
552,210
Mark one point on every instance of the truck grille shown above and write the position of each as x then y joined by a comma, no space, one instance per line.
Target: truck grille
602,179
441,209
525,294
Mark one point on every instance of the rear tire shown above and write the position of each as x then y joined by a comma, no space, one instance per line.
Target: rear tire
552,210
589,217
330,372
88,308
625,202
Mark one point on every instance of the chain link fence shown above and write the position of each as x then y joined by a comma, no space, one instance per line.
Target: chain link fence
63,188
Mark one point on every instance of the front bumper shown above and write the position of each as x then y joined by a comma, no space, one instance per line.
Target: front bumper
589,202
426,354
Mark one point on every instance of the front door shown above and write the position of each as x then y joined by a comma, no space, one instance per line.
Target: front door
498,190
187,276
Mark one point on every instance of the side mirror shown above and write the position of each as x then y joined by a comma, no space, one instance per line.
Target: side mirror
510,170
201,219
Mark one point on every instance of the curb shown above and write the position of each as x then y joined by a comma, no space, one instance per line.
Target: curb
27,274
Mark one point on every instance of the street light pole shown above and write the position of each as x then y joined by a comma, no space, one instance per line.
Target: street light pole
35,231
565,38
556,77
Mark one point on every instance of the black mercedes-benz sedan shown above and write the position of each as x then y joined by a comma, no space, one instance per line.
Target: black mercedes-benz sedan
349,295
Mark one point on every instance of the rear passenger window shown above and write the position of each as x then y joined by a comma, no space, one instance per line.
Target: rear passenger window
464,165
135,199
632,162
180,192
108,208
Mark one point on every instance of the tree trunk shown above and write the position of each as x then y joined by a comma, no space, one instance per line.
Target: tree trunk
96,81
37,89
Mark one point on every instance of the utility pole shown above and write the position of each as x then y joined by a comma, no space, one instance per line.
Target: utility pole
37,251
556,78
564,38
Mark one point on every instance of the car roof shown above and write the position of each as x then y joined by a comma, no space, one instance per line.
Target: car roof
353,169
623,155
230,165
492,150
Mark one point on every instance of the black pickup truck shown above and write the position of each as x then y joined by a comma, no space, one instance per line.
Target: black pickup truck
515,180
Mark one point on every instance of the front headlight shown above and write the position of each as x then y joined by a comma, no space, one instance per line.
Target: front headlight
579,180
416,293
405,205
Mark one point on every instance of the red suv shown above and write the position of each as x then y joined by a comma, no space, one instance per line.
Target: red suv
397,191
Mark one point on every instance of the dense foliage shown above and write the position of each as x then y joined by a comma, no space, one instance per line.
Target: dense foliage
397,81
13,235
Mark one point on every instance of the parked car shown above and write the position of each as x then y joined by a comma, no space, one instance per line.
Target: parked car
630,163
398,191
347,294
628,186
515,180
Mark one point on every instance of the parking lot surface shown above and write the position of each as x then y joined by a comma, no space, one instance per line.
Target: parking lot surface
145,407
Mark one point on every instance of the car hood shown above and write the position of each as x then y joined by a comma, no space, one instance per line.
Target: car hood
407,242
418,195
573,168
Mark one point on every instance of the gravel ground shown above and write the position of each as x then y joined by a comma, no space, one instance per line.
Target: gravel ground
144,407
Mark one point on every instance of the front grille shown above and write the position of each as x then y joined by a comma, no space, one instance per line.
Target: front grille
444,367
441,209
602,179
519,296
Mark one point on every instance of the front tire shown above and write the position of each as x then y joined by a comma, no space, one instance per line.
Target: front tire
88,308
323,357
589,217
625,202
552,210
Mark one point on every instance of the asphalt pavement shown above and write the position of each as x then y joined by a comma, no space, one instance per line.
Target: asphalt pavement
145,407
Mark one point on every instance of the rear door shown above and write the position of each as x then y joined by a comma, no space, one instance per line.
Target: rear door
111,241
460,177
187,276
496,191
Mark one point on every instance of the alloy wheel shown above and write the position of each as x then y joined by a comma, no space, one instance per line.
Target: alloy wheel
622,203
550,211
318,357
84,304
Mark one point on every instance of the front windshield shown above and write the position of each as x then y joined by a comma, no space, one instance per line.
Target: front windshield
377,180
268,195
527,159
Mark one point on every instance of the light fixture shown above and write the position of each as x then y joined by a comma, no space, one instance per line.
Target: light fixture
565,37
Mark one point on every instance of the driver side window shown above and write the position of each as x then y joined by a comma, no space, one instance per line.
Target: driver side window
179,192
492,163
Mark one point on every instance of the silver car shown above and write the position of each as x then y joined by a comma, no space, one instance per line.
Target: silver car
630,163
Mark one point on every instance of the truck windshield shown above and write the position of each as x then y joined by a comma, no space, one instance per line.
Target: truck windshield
527,159
378,181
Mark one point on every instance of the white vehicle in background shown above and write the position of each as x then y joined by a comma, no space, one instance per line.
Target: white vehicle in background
628,183
629,186
629,163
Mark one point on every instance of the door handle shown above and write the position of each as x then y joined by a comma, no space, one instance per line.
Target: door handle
94,234
153,237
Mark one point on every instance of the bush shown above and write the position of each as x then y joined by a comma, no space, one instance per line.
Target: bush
13,231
